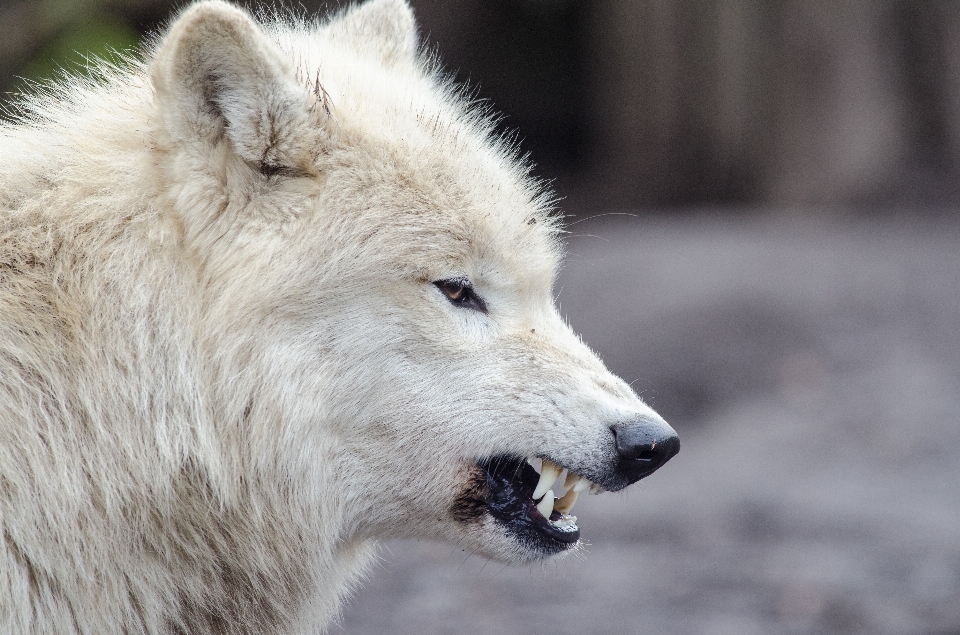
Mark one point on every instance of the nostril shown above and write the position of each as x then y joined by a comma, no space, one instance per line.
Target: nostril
646,440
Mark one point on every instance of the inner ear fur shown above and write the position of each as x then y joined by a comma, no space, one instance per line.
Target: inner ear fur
217,75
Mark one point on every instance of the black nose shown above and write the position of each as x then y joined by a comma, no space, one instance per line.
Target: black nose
644,445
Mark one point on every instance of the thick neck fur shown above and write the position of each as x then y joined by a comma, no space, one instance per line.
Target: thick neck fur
89,300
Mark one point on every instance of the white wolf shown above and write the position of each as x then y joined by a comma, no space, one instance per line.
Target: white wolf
266,298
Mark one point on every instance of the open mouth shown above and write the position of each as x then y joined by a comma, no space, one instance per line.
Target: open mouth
533,506
526,504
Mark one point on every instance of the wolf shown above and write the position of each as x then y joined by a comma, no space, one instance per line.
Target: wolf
273,294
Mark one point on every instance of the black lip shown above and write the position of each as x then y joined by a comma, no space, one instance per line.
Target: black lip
510,482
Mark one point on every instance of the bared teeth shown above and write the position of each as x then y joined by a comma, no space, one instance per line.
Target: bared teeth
545,506
549,474
565,503
573,485
576,482
565,523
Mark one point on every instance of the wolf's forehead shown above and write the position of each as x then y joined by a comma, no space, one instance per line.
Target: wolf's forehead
426,242
444,184
462,207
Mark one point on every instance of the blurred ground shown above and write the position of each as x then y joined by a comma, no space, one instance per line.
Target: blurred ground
812,367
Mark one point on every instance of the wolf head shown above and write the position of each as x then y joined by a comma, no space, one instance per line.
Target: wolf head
376,269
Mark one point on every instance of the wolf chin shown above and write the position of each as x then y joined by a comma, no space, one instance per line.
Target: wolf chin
267,297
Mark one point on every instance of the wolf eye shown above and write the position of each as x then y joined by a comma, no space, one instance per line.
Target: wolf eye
460,293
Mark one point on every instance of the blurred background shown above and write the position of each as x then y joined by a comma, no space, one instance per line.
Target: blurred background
655,105
764,240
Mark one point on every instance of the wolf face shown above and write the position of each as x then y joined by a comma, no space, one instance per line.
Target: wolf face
271,296
403,260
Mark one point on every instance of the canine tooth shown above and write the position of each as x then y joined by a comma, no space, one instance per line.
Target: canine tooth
549,474
596,489
565,503
545,506
576,482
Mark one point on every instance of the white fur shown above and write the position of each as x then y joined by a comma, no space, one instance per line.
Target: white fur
224,369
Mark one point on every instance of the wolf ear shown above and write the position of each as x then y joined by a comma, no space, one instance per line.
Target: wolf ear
385,28
216,73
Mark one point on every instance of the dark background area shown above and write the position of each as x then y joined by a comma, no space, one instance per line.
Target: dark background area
656,105
763,239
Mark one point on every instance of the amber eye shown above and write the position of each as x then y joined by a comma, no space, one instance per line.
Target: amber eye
460,293
454,291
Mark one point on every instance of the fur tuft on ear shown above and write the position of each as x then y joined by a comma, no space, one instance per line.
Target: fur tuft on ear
385,28
216,73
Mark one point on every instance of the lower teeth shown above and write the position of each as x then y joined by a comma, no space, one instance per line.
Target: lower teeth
565,523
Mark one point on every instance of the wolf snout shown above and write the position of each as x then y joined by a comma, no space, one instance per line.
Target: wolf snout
644,445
